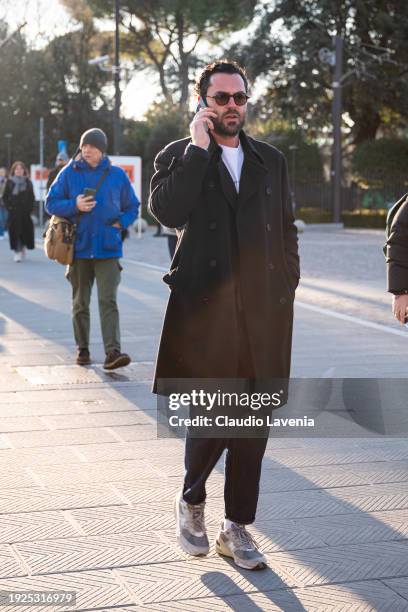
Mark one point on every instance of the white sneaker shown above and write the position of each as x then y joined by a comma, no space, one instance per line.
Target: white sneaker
17,257
237,543
190,528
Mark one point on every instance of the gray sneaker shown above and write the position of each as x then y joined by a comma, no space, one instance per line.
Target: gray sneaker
239,544
190,527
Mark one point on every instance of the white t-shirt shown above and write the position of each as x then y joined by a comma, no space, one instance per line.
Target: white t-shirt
233,158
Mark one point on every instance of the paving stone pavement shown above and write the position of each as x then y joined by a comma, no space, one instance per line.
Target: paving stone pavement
87,487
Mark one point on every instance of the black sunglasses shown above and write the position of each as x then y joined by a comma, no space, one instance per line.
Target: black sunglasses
222,98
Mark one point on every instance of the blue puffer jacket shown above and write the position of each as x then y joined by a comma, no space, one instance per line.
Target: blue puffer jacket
115,201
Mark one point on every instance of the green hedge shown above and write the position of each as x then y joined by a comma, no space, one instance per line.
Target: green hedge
314,215
362,218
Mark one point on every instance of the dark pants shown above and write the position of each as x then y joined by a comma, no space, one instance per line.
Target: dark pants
82,274
171,243
243,459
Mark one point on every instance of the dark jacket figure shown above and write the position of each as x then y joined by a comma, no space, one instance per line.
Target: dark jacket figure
397,252
60,162
19,200
237,257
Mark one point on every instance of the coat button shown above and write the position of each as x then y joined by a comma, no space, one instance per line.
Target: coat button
206,300
271,266
268,191
212,225
282,301
268,227
213,263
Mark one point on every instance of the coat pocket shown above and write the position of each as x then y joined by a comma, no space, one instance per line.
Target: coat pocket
82,240
112,240
287,281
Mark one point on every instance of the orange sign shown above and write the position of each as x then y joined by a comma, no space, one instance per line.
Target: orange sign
37,174
130,171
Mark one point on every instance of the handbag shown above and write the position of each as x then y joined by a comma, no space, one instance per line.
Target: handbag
59,237
59,240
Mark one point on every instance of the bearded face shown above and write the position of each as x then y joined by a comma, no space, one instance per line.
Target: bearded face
231,117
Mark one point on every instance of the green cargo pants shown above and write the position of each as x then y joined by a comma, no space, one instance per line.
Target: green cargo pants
81,275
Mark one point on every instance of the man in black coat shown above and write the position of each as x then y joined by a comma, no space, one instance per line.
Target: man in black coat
232,279
397,262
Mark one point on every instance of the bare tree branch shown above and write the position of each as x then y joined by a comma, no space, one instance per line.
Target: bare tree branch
9,38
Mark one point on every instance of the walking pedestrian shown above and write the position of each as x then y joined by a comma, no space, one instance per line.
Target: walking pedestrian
61,161
3,210
99,197
158,231
232,279
19,200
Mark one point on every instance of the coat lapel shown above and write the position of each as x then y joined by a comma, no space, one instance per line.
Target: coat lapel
253,170
227,184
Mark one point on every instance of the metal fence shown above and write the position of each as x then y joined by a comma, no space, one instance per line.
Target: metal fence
319,195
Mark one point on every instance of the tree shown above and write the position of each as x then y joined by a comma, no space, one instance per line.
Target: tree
55,83
294,143
79,95
284,51
162,36
381,162
162,124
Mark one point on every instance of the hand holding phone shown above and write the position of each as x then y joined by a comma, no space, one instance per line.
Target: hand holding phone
85,202
201,124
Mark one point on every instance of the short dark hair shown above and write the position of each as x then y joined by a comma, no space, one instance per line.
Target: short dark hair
222,66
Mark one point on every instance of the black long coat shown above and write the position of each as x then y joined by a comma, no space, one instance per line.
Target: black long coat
20,207
192,189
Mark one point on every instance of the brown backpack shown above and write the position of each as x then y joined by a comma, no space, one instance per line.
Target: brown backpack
59,240
59,237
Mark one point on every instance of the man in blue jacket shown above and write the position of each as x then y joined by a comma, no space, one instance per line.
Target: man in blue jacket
100,217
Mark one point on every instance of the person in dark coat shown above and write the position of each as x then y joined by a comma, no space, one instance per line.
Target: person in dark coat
19,200
60,162
3,210
232,281
397,262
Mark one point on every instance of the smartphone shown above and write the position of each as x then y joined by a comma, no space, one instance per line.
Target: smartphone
201,105
89,192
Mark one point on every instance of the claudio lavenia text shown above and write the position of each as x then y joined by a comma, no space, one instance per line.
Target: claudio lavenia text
248,421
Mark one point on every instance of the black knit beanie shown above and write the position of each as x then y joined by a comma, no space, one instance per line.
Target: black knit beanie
95,137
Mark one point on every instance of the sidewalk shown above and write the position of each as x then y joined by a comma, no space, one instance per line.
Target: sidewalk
87,488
